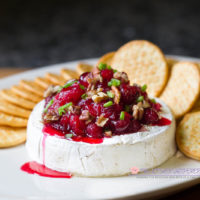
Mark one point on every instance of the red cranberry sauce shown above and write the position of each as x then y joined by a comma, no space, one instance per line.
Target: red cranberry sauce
99,104
39,169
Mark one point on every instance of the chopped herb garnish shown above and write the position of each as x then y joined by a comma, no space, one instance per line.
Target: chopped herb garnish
82,87
48,105
127,108
109,67
60,88
153,100
110,94
143,88
122,115
114,82
61,110
114,70
69,84
140,98
83,96
102,66
108,104
69,135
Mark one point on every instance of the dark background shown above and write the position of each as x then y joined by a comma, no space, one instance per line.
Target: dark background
36,33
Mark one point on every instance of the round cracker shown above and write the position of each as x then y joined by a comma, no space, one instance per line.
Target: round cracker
55,78
68,74
9,96
182,89
144,63
43,82
19,90
11,136
11,109
83,67
188,135
107,58
12,121
32,87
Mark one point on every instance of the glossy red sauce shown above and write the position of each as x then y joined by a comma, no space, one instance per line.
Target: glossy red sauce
162,122
87,140
53,132
39,169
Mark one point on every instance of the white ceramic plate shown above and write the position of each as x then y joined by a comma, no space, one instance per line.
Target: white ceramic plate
15,184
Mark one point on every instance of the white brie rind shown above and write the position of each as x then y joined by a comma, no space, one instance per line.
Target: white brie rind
115,156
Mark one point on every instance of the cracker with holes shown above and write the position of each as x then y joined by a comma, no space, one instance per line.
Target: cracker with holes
43,82
69,74
10,136
32,87
188,135
12,121
182,89
9,96
55,79
12,109
22,92
144,63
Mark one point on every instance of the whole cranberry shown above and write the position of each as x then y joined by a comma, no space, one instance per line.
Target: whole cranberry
119,126
64,121
107,74
95,109
129,94
150,116
83,79
156,106
58,126
94,131
111,112
70,94
134,126
77,126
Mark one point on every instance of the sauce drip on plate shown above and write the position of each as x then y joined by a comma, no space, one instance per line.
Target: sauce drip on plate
39,169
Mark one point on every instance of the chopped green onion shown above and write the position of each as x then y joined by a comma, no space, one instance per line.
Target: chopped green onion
48,105
127,108
153,100
143,88
122,115
109,67
69,84
61,109
82,87
114,70
114,82
60,88
108,104
69,135
110,94
140,98
83,96
102,66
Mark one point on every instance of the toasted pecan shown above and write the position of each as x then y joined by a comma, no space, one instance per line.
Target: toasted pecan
117,94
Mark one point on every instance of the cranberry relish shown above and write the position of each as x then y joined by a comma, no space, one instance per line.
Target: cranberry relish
100,104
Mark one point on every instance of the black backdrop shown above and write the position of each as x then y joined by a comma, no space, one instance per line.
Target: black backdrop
36,33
